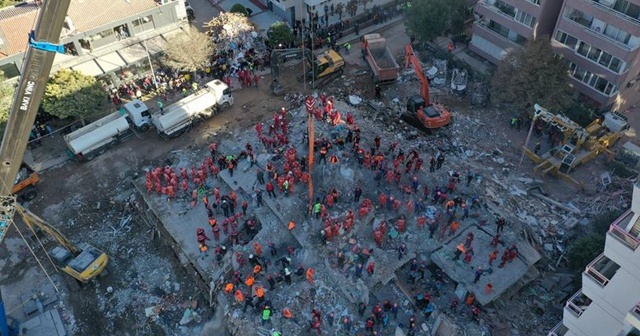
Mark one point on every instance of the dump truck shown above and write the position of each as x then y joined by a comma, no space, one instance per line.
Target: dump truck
95,138
178,118
383,65
24,186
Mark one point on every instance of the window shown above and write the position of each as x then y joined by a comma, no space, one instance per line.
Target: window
506,8
601,57
525,18
535,2
10,70
566,39
592,80
617,34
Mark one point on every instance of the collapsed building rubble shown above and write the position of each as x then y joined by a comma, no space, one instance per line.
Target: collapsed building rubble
354,267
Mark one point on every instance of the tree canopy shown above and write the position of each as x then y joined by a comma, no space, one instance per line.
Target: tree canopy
532,75
188,51
6,98
7,3
239,8
430,19
70,93
280,33
584,249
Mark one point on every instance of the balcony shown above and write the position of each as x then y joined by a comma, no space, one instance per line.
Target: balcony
608,9
601,270
578,303
558,330
499,7
618,231
586,26
635,311
504,33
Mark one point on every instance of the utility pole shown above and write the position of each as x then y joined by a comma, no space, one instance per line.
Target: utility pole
144,43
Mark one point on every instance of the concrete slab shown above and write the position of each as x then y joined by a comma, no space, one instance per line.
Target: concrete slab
47,324
265,19
501,278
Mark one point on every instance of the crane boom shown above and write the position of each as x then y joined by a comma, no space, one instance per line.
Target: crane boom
23,111
26,100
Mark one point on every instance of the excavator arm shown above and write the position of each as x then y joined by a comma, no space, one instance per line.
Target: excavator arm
412,60
279,56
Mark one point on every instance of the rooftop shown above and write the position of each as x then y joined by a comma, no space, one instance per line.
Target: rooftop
16,22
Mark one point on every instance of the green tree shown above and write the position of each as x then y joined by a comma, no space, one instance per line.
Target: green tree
7,3
239,8
430,19
70,93
531,75
6,98
280,33
584,249
188,51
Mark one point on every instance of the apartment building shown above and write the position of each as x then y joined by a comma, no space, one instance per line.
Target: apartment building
504,25
600,39
99,36
609,302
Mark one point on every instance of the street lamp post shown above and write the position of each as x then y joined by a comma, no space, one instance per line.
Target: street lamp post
144,43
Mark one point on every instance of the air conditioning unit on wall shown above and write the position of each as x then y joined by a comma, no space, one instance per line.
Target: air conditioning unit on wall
608,3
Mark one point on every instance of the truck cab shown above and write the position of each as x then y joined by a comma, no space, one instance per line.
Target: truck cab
222,93
25,184
137,114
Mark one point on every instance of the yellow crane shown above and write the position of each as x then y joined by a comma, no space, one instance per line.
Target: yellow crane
578,144
83,262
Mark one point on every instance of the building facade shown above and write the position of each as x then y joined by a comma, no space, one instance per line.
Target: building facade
600,39
115,35
609,302
504,25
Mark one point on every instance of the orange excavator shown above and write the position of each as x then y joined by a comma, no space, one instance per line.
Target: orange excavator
420,110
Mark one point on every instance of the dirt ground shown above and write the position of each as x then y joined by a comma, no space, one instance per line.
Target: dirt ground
87,202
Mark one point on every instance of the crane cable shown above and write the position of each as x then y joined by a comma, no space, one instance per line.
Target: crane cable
37,259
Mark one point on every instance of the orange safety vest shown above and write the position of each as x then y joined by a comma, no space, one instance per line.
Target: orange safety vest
239,296
287,313
333,159
256,269
291,225
228,288
259,292
203,248
249,281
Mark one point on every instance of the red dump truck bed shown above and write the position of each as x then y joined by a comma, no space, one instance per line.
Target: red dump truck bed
382,63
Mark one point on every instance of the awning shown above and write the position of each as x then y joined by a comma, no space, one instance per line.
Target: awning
156,44
89,68
315,3
111,62
133,53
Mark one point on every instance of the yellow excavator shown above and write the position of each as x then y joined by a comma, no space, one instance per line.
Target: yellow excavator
320,69
83,262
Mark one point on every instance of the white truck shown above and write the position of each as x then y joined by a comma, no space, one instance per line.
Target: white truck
95,138
178,118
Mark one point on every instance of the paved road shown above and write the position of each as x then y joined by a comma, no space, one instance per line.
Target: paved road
205,11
